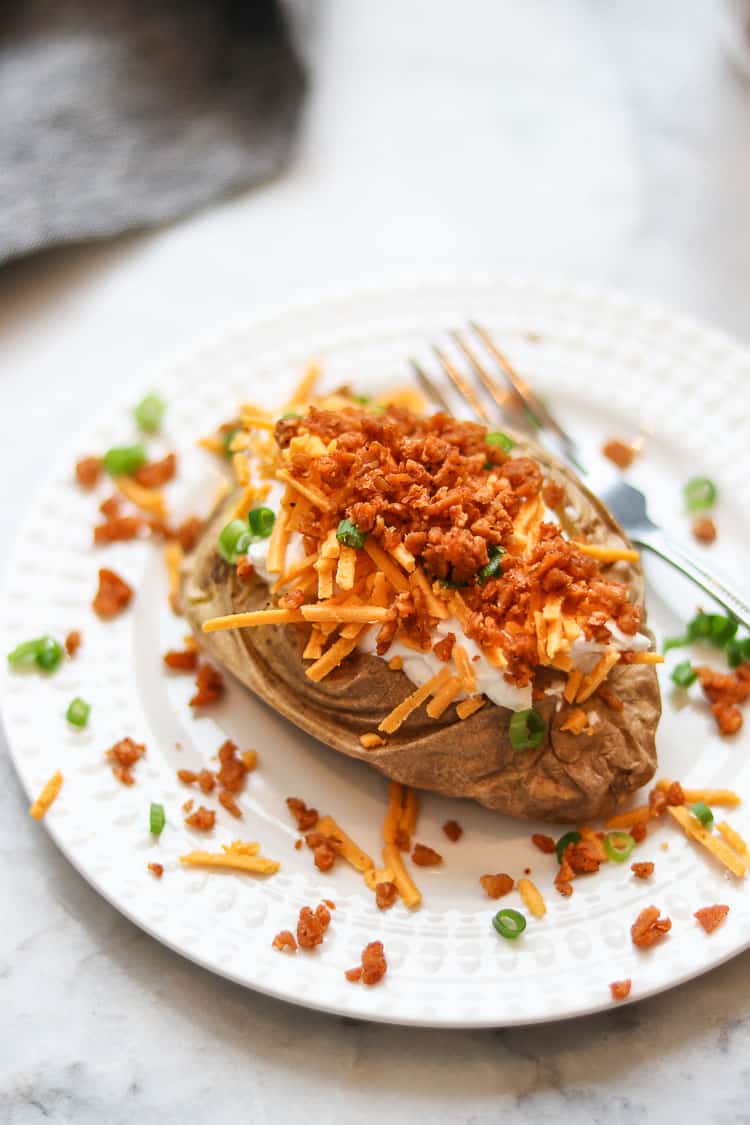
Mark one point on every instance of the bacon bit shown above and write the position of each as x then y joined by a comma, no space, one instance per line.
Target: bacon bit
728,718
444,649
88,472
188,533
73,642
285,942
188,806
704,529
675,794
156,473
181,661
203,819
565,876
373,968
584,857
187,776
423,856
385,895
608,696
297,844
725,691
305,817
112,597
244,569
227,800
120,529
545,843
495,886
156,869
311,927
453,830
620,989
323,849
639,832
124,755
553,494
210,685
619,453
649,928
642,870
233,769
711,916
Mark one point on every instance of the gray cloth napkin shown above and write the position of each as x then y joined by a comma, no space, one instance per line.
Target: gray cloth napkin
116,114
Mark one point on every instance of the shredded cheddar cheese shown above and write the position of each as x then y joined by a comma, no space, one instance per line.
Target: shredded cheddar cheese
607,554
47,796
401,712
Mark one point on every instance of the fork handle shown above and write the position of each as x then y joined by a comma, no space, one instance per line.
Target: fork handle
689,565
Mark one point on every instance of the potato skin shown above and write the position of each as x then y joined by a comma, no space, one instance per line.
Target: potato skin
567,778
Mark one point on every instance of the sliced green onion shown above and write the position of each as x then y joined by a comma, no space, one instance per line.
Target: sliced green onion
618,846
493,567
149,412
565,842
501,440
227,440
349,534
78,712
261,521
723,630
156,819
362,399
234,541
675,642
700,493
527,729
702,812
125,460
44,652
683,674
699,629
377,408
290,414
509,923
738,651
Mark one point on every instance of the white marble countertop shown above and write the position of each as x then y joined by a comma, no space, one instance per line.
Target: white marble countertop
602,142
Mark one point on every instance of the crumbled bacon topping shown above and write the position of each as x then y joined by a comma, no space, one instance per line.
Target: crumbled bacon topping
244,569
642,870
373,968
545,843
227,800
443,649
180,660
423,856
711,916
639,832
285,942
323,849
386,895
306,818
210,686
312,926
608,696
203,819
649,928
704,529
188,533
112,597
619,453
620,989
725,690
123,755
495,886
453,830
73,642
156,869
88,472
156,473
231,774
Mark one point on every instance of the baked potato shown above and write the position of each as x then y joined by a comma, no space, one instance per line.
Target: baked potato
569,775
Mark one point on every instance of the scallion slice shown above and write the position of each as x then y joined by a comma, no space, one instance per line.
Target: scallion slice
234,540
703,813
501,440
78,712
509,923
700,493
125,460
261,521
349,534
684,674
527,729
44,652
227,440
149,412
492,568
156,819
565,842
618,846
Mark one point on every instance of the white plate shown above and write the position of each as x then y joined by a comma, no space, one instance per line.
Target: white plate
611,368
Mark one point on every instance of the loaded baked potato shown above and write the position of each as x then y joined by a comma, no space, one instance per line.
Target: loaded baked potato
396,552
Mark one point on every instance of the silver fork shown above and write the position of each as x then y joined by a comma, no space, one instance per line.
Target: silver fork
516,401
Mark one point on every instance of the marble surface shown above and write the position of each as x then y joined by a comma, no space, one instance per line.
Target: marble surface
605,142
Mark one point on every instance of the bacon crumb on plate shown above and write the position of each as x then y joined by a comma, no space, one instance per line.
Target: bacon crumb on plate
711,916
156,869
649,928
227,800
312,925
425,857
704,529
244,569
118,529
453,830
73,642
188,533
495,886
285,942
639,832
113,595
545,843
89,471
620,989
210,686
386,895
203,819
373,968
306,818
619,453
124,755
642,870
181,660
155,473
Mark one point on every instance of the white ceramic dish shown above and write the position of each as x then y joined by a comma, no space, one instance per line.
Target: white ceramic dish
611,368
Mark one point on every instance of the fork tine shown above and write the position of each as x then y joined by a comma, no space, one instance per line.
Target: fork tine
464,389
505,400
430,389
